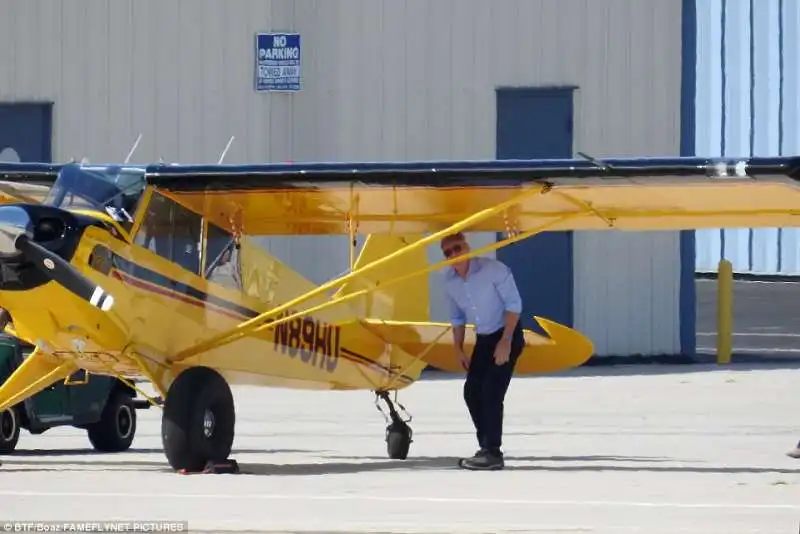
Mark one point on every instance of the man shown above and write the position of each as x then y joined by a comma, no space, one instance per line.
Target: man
482,292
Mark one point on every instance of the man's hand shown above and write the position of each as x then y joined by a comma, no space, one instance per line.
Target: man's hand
462,357
502,351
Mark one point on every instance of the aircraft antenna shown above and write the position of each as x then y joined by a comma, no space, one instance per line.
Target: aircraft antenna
133,149
225,152
600,163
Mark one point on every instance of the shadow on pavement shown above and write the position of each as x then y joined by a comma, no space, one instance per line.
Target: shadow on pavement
437,463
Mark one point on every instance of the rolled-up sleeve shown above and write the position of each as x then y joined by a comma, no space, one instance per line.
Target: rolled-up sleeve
457,317
507,288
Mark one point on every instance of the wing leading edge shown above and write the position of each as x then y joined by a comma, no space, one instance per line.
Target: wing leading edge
623,194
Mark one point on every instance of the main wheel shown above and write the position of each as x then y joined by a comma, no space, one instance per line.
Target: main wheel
398,440
116,428
199,418
9,430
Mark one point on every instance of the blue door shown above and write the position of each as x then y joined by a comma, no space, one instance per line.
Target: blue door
537,123
25,132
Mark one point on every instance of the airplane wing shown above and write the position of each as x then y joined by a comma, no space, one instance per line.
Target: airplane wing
418,197
518,197
26,182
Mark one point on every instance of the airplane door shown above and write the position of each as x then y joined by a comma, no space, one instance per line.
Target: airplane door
26,132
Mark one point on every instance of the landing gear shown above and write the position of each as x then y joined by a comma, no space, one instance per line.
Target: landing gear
197,427
398,433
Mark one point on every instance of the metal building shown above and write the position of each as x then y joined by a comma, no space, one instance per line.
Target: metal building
382,80
748,76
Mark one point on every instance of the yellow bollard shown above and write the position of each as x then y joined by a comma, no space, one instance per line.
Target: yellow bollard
724,312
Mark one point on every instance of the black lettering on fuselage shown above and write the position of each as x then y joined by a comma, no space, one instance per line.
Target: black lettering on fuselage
315,342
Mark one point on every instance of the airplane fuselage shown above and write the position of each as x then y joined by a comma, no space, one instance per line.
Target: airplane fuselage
161,308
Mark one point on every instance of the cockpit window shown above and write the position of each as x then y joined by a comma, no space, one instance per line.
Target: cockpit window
173,232
113,189
223,261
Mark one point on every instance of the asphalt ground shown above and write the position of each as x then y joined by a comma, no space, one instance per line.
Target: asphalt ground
766,317
656,450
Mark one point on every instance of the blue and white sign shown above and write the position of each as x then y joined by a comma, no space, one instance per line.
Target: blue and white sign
277,62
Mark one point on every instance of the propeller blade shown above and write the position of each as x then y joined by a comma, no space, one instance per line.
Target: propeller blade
60,271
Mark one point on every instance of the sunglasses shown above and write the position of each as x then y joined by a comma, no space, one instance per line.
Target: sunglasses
455,249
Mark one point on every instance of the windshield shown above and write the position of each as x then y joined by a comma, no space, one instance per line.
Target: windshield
113,189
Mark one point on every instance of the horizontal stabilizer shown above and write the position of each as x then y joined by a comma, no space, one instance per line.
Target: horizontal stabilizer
38,371
564,348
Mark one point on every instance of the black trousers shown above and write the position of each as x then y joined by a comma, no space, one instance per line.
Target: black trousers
486,386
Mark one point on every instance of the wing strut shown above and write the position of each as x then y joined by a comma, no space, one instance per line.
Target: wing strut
248,327
252,326
419,272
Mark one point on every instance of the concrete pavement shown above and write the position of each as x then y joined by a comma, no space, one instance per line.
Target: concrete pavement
594,450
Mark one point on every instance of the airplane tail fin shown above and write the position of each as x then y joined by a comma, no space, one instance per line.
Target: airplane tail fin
404,301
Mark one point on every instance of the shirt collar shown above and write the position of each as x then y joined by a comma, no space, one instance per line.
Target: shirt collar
473,267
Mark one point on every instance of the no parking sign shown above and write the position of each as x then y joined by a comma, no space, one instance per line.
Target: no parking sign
277,62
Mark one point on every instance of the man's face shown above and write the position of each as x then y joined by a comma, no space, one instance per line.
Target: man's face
454,248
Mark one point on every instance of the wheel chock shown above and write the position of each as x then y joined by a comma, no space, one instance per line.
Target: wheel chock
225,467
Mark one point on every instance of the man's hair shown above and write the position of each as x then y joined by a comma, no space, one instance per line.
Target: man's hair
458,236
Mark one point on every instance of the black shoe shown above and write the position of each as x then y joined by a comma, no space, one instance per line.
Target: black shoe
484,460
795,453
480,453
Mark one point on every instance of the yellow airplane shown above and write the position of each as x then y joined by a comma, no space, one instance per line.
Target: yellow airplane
152,271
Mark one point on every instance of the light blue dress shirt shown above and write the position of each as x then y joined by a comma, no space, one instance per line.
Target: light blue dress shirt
482,299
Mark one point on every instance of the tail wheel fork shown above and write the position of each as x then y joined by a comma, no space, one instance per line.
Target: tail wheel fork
398,433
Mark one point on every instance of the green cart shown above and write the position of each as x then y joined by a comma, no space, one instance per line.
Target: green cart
104,406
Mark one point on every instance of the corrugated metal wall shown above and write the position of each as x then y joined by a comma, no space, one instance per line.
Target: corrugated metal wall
747,104
383,79
627,285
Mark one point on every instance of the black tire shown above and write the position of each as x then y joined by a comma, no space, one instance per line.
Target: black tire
115,430
398,440
197,426
9,430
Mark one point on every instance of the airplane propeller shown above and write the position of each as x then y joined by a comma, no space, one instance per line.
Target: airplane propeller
61,272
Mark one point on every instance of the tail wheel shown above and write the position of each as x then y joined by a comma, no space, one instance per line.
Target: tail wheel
198,422
398,440
9,430
116,428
